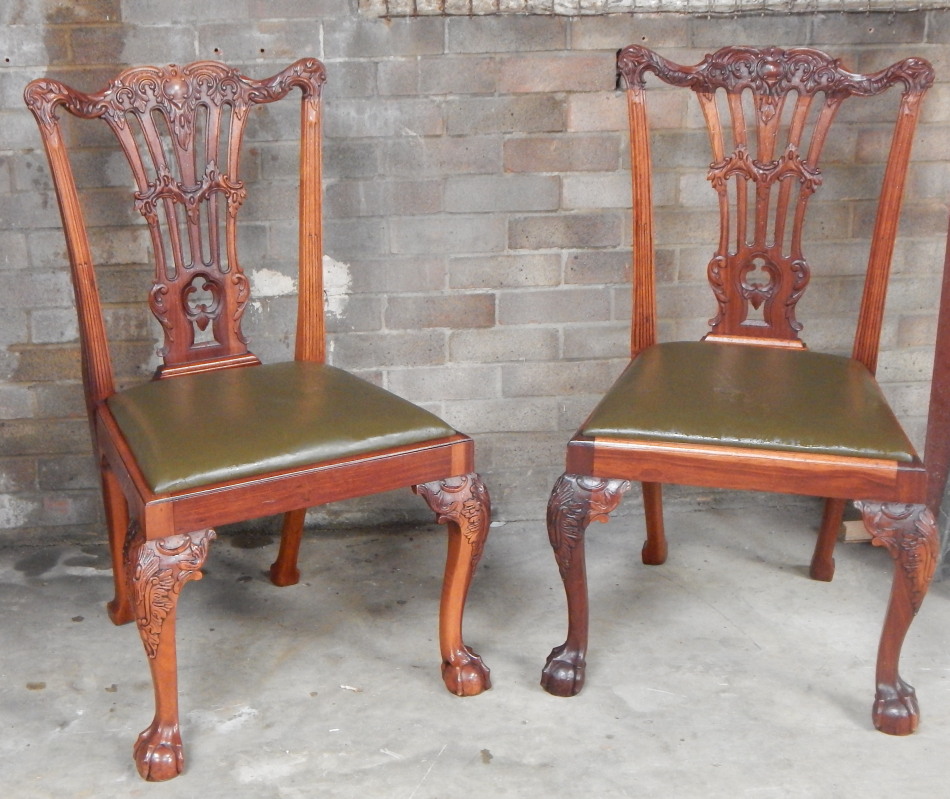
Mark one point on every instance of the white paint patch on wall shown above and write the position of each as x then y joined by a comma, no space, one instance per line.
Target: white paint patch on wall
337,282
15,511
271,283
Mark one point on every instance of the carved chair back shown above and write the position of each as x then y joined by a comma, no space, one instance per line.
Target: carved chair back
768,113
181,130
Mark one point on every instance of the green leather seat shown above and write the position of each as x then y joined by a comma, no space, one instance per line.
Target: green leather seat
206,428
750,396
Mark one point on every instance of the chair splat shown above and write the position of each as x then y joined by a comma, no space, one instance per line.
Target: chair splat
768,112
181,129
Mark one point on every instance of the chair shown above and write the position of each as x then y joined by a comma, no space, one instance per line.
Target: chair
218,437
749,406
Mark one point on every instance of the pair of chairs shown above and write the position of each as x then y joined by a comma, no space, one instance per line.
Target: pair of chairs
217,437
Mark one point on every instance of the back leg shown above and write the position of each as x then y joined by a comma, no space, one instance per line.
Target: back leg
117,522
284,570
654,548
823,561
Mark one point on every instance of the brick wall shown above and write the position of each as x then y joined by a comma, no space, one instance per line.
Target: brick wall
477,229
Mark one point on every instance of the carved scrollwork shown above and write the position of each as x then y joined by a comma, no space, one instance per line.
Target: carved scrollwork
771,72
785,280
166,187
463,500
576,501
758,290
157,303
158,570
789,165
201,299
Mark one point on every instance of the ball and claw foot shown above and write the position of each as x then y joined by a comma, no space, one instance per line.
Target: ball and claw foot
563,673
467,675
896,711
158,753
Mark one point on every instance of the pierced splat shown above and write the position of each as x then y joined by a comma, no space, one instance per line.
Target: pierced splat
180,128
768,112
202,301
757,280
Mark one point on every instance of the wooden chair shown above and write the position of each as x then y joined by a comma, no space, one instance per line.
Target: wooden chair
219,437
750,407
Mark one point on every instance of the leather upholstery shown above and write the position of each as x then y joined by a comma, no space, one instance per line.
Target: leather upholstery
205,428
751,396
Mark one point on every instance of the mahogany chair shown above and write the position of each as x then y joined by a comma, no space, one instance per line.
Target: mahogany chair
749,406
218,437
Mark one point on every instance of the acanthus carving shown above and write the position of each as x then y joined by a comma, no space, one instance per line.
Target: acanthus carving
909,533
157,571
575,502
242,295
175,90
463,500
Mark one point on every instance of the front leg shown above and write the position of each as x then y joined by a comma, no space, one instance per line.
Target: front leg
909,533
463,505
158,569
575,502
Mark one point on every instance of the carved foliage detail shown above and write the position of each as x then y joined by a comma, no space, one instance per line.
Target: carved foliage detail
177,90
158,570
909,533
772,72
790,165
575,502
166,187
463,500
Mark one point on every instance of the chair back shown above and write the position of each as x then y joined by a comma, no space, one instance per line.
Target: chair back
181,129
768,113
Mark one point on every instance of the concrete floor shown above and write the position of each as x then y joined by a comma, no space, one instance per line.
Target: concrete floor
724,673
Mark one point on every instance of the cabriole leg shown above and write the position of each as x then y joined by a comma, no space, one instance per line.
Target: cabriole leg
158,570
909,533
575,502
463,505
284,570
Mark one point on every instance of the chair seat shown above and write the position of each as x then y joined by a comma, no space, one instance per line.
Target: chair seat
751,396
199,429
